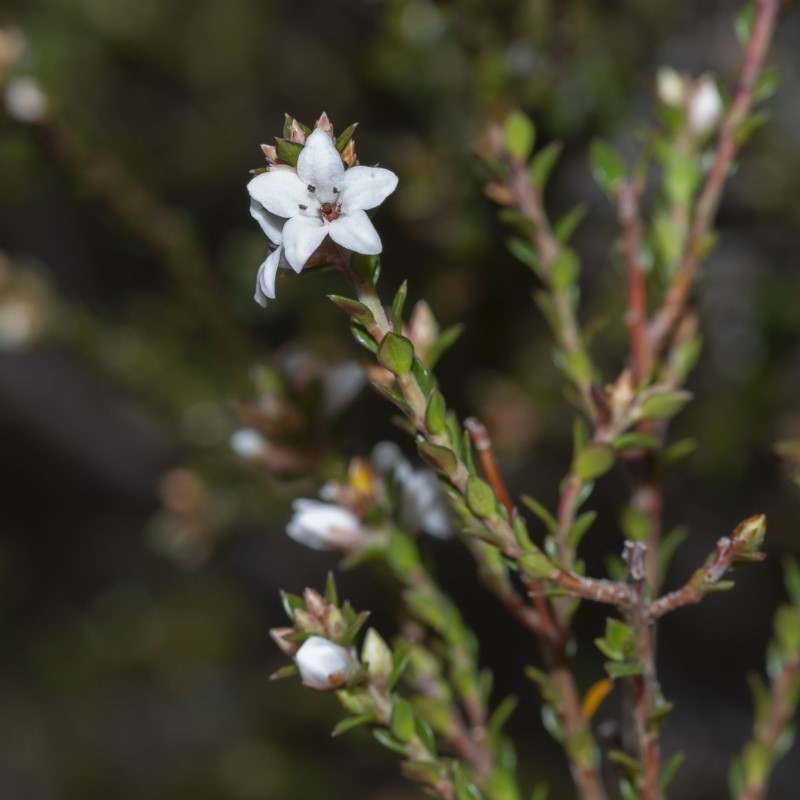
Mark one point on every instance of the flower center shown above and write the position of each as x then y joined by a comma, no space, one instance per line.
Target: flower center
330,211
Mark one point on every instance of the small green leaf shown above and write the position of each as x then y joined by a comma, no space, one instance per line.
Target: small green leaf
440,457
502,786
749,126
397,307
423,375
787,630
537,565
400,659
524,252
632,440
593,461
623,759
565,270
502,714
519,134
661,403
767,85
616,671
428,773
744,23
580,527
435,413
361,335
608,168
350,723
480,498
389,742
447,338
396,353
566,225
544,515
636,524
402,722
393,396
352,307
670,769
669,545
543,163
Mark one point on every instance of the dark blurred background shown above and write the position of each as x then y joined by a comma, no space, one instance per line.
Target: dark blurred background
140,559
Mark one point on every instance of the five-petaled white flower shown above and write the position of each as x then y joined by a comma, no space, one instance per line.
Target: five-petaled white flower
324,665
324,526
320,199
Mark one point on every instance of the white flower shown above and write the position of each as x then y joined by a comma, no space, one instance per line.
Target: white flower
423,505
705,108
25,100
324,665
323,526
322,199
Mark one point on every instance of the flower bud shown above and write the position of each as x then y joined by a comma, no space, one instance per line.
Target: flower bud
670,87
705,108
323,665
323,526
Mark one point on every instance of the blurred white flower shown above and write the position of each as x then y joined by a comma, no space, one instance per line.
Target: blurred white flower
705,108
322,199
248,443
324,665
25,100
323,526
423,505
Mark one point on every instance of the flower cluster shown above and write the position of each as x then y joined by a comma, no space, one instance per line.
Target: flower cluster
379,494
299,206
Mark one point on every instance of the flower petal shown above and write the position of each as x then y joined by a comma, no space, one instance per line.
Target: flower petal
366,187
301,237
270,223
354,231
265,280
319,164
280,191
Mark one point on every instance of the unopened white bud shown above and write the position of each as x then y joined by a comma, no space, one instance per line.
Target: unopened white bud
323,665
671,87
705,108
323,526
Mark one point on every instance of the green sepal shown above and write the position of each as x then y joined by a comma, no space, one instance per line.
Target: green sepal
288,151
343,139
